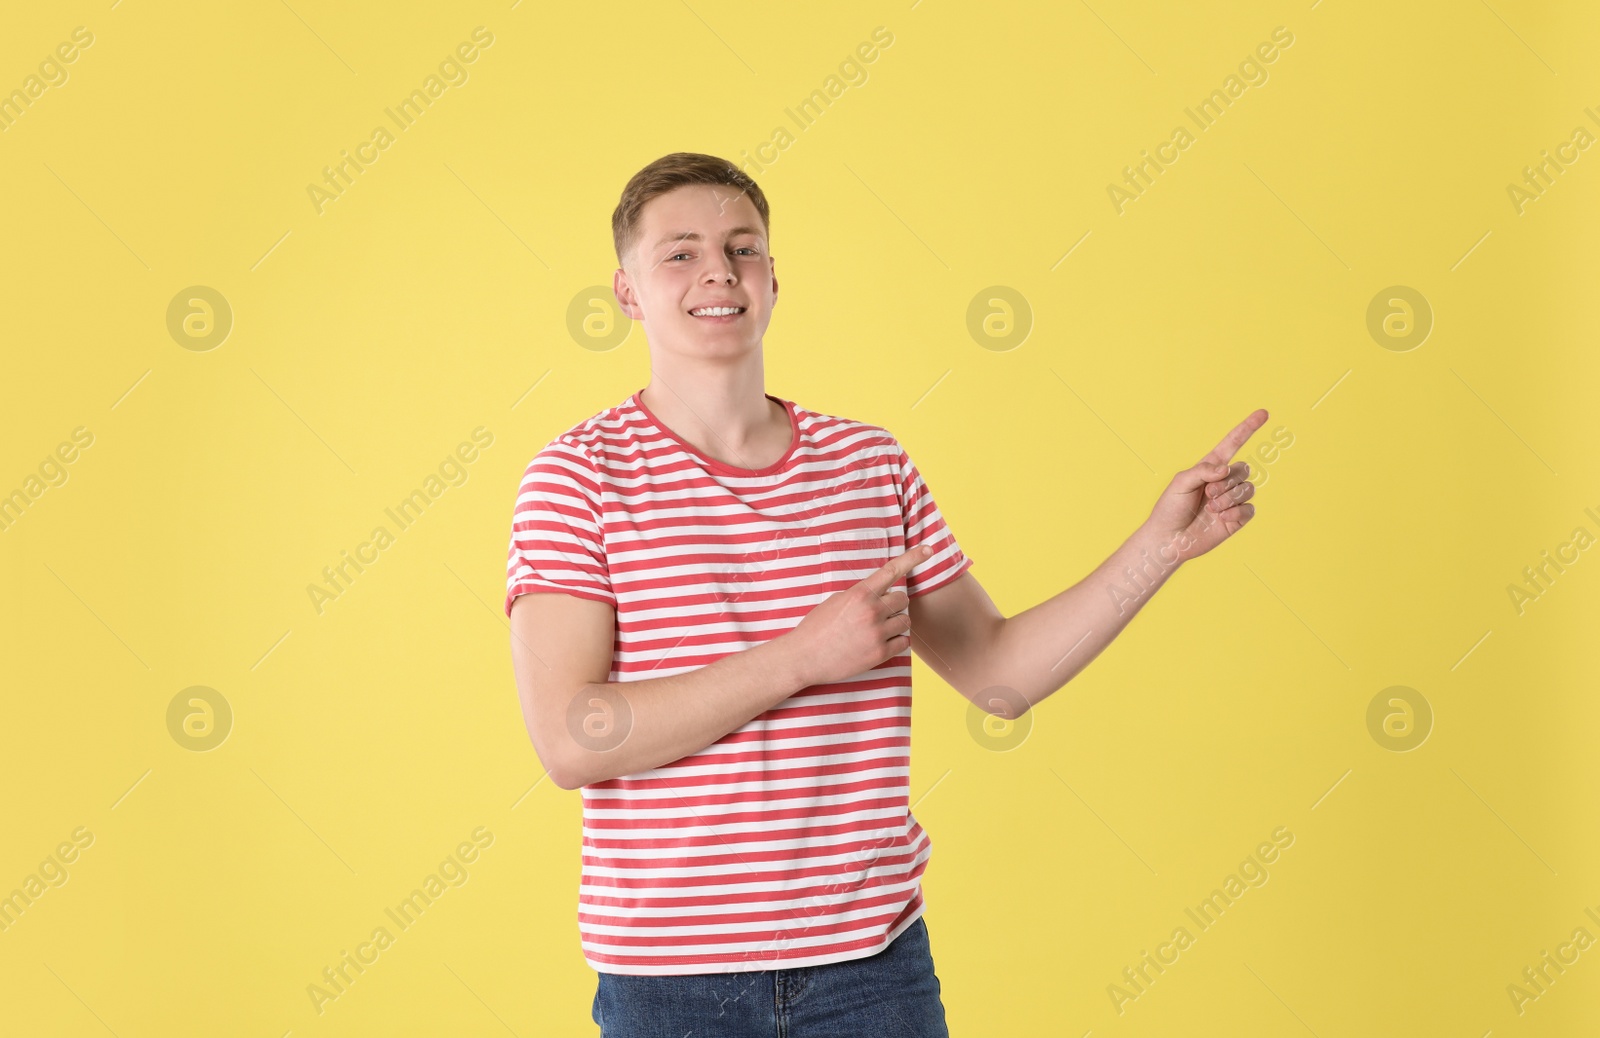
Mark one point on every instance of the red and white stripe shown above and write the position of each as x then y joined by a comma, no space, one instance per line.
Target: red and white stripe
788,842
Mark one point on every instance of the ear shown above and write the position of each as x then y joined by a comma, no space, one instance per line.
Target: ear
626,300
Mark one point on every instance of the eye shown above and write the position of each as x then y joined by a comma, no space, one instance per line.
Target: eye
747,248
675,256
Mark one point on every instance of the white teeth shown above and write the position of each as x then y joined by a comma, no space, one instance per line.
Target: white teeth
717,311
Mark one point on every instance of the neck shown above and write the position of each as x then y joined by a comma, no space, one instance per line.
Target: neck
728,418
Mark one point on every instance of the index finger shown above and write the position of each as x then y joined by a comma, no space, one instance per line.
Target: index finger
1223,452
889,574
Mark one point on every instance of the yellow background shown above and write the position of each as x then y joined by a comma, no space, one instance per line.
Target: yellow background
368,340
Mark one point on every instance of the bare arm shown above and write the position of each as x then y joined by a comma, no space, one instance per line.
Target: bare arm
1041,649
586,729
1006,665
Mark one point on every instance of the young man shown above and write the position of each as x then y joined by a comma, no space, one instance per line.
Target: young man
712,595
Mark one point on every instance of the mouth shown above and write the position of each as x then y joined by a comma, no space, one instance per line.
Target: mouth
717,314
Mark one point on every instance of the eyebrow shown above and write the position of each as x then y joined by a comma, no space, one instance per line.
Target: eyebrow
683,236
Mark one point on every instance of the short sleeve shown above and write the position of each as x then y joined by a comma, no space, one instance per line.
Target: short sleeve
557,528
925,525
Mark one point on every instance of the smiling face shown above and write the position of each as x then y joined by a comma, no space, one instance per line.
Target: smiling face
700,245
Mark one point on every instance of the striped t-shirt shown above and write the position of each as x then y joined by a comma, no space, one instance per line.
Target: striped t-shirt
788,842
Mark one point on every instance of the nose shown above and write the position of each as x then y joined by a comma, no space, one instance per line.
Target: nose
720,271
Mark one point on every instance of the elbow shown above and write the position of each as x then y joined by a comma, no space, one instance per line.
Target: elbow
557,768
1004,690
1001,720
1003,701
562,752
563,775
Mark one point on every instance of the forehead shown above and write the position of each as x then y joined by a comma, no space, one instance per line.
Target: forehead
698,211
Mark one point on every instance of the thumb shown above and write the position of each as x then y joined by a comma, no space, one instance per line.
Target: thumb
1201,474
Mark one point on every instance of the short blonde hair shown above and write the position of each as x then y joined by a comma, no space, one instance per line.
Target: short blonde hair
673,171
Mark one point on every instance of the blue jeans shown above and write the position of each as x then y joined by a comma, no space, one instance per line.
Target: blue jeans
893,994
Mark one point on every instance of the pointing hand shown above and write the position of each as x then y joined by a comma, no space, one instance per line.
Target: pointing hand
1204,505
858,628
